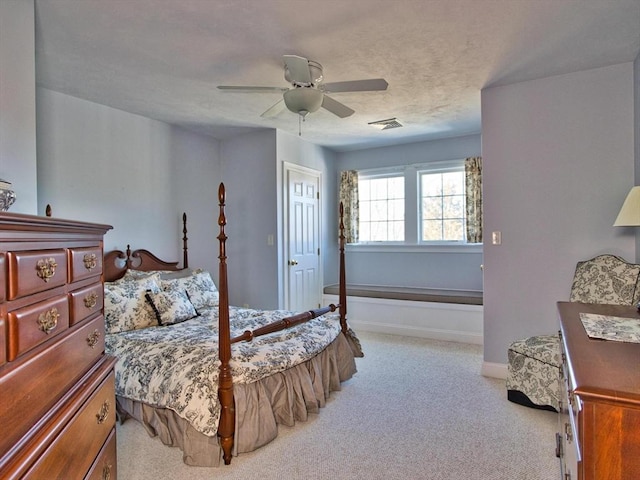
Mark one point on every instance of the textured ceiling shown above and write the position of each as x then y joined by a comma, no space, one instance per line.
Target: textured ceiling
164,58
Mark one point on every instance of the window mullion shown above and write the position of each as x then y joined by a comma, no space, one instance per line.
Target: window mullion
411,201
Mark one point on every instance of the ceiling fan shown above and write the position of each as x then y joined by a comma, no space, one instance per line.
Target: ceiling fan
308,93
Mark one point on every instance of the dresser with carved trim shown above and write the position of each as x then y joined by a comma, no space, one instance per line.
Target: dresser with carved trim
57,400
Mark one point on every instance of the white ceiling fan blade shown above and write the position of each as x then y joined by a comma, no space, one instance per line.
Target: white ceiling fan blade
274,109
370,85
239,88
298,68
335,107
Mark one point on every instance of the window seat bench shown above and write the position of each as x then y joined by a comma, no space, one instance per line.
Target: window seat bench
463,297
452,315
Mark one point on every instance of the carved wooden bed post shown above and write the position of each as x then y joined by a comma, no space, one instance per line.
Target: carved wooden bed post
351,337
226,427
342,293
185,255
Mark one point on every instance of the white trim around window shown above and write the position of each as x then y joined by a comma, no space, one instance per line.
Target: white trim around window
412,242
459,248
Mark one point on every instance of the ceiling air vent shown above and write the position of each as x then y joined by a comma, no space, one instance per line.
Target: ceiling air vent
386,124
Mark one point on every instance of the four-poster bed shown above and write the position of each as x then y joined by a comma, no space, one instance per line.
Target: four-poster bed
272,367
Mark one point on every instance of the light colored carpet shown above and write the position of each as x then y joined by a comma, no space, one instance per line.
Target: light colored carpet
416,409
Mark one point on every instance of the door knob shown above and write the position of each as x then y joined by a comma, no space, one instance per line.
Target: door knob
293,262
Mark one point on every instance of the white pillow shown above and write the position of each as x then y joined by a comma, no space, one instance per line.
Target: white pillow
125,305
199,287
171,306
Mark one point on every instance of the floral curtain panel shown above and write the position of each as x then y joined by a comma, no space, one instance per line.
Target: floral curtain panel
349,198
473,185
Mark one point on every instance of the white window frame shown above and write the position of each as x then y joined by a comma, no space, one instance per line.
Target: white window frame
444,167
386,173
413,242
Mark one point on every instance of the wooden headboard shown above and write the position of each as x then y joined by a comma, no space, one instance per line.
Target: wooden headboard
116,262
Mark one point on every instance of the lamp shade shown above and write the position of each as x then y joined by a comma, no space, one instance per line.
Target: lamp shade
629,215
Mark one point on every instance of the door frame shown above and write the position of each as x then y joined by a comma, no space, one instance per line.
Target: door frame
284,253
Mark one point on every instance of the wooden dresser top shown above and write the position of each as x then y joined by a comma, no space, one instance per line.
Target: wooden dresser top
602,369
20,222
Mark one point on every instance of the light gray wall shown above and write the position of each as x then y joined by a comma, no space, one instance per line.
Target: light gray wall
195,175
18,102
249,174
410,268
99,164
558,156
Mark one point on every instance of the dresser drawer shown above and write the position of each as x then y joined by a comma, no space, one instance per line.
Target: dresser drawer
50,374
3,278
77,446
3,341
105,466
85,263
86,302
36,271
30,326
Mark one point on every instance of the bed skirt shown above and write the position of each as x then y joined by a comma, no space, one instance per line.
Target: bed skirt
283,398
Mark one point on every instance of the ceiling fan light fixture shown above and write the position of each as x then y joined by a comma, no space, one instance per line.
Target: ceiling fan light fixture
303,99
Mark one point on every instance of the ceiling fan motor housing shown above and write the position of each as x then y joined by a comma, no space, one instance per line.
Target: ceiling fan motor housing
315,75
303,100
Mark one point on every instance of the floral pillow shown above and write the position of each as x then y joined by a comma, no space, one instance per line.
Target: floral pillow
171,306
125,305
199,287
131,275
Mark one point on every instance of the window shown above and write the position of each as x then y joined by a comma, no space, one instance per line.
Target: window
413,205
381,199
442,206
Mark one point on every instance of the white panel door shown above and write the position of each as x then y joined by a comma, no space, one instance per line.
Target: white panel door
303,262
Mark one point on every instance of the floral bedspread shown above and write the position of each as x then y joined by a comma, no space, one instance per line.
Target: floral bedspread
176,366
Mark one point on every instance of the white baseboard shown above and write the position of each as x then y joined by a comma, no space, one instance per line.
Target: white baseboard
494,370
442,321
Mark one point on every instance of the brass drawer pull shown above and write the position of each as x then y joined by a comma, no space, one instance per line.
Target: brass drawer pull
46,268
90,261
48,321
102,415
106,472
92,339
91,300
568,432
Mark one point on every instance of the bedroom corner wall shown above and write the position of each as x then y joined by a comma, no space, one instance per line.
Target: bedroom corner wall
252,173
558,157
18,102
248,170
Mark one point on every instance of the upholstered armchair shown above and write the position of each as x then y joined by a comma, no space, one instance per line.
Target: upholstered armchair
606,279
533,377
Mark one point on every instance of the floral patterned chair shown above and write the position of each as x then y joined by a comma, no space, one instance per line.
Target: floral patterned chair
533,377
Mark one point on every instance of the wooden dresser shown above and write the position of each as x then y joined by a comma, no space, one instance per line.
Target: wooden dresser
599,437
57,401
